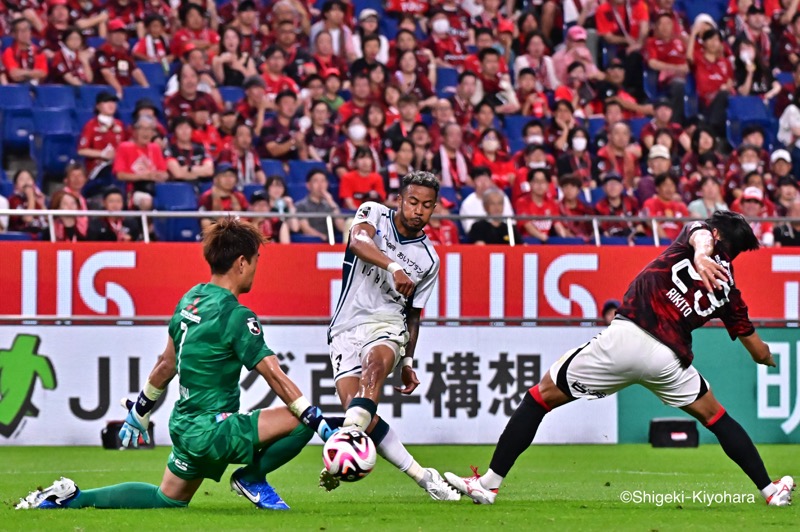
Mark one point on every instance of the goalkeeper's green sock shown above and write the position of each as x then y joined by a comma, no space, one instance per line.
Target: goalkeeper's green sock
130,495
276,454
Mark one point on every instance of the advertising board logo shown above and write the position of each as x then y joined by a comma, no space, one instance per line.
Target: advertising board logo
775,385
20,368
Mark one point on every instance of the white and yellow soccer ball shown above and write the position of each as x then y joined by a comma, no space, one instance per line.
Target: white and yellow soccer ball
349,455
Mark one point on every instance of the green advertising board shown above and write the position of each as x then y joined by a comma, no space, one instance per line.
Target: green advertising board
765,401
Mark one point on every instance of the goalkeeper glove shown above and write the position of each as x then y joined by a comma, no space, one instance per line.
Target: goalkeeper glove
137,422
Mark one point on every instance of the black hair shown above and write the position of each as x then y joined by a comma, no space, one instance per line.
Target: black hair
531,35
367,38
528,71
483,103
486,52
186,8
177,121
710,34
468,74
314,171
696,138
228,239
362,151
420,179
577,129
575,65
483,31
661,178
69,30
735,232
271,180
272,50
708,157
479,171
533,171
112,190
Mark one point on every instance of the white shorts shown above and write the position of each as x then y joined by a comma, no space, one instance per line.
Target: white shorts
348,347
622,355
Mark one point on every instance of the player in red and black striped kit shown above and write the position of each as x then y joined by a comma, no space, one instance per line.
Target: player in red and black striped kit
650,343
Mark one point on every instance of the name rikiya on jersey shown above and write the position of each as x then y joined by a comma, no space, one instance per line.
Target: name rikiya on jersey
675,295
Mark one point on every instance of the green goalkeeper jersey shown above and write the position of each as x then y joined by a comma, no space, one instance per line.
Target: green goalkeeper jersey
214,337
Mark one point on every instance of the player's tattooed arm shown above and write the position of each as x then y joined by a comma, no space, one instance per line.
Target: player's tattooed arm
363,247
710,271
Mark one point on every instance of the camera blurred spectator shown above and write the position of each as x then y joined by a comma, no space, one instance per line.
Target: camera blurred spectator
71,64
575,50
114,229
663,120
577,160
74,181
536,203
401,130
325,60
780,166
703,142
319,200
282,137
115,64
363,183
273,74
154,46
713,72
333,21
665,52
148,108
23,60
472,205
233,65
101,136
442,232
490,153
271,227
321,137
194,31
710,200
222,196
658,163
786,195
245,22
411,81
242,156
447,48
626,24
749,160
493,231
493,85
66,228
26,196
788,234
3,219
577,91
571,205
752,206
395,171
449,161
664,204
752,73
616,203
620,156
187,160
462,99
539,62
343,156
205,83
368,62
788,44
280,202
533,102
188,96
359,99
252,107
140,163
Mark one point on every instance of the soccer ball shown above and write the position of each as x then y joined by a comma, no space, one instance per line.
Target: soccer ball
349,455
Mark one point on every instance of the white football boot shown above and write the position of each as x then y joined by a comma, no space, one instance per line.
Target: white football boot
471,487
782,497
437,488
57,495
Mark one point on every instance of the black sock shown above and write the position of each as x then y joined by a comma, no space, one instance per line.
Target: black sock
739,448
518,434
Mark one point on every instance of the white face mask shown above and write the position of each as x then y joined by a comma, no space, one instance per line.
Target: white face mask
105,120
491,145
746,57
749,167
357,132
537,164
535,139
579,143
441,25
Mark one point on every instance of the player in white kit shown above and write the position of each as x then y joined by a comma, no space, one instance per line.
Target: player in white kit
389,272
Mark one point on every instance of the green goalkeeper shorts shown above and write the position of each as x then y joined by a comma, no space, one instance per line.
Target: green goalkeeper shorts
204,446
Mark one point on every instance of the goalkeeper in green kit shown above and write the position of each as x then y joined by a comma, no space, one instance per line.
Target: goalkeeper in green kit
211,336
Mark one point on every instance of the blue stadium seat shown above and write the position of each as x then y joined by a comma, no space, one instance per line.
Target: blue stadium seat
637,124
87,95
298,170
249,189
52,121
566,241
202,186
95,42
446,81
747,110
273,167
131,95
231,94
361,5
299,238
597,194
614,240
176,197
650,79
690,104
6,41
644,241
784,77
514,124
54,97
531,241
449,193
388,26
297,191
16,115
715,8
80,117
595,126
154,72
53,152
15,236
6,188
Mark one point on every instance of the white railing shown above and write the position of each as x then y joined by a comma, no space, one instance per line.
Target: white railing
146,216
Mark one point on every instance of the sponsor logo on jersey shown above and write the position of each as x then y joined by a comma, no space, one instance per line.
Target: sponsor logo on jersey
581,388
253,326
363,212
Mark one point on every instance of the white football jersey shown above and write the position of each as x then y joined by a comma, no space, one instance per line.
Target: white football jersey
368,292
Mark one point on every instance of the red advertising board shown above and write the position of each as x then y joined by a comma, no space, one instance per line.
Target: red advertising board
303,280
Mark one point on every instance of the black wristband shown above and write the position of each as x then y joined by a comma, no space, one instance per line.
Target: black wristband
144,405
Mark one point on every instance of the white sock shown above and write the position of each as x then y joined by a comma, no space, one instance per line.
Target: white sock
394,452
491,480
769,491
357,417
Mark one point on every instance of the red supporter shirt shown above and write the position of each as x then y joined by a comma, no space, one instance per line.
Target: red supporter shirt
63,63
627,208
459,22
177,105
354,185
96,136
246,165
134,159
621,19
672,209
525,206
30,59
279,84
130,14
649,129
449,50
710,75
348,109
444,235
473,64
668,302
154,49
501,167
415,7
206,201
579,229
184,36
118,60
210,138
672,52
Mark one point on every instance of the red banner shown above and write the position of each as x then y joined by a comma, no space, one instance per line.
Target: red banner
130,280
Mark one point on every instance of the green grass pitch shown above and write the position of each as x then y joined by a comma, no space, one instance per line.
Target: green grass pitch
551,487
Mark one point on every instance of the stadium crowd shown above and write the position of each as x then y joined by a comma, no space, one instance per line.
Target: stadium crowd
521,107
